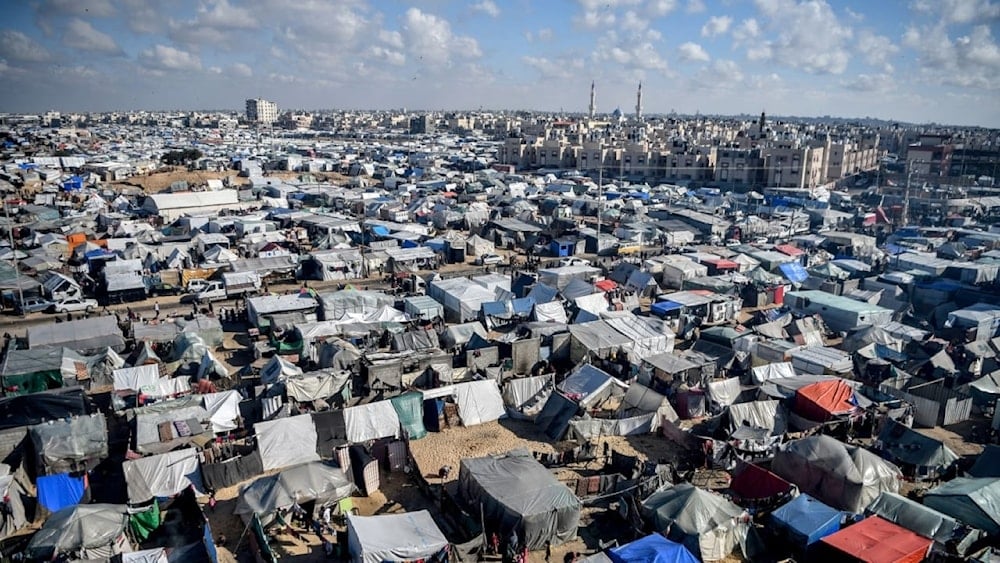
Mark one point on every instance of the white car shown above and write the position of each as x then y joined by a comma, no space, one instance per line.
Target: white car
489,259
574,262
74,304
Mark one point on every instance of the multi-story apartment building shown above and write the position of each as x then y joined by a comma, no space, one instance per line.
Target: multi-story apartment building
261,111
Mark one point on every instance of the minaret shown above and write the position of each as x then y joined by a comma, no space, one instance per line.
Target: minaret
593,100
638,104
763,121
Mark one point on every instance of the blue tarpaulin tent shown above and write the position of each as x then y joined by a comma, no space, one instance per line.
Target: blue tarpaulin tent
794,272
380,230
805,520
663,307
73,183
653,548
59,491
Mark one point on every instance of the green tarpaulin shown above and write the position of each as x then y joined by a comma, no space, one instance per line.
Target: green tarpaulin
410,409
144,523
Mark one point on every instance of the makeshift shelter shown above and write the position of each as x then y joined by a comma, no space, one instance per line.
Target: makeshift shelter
752,484
82,531
74,444
874,540
915,517
314,481
286,441
26,410
920,456
595,339
555,415
590,386
515,492
371,422
163,475
974,501
823,400
16,500
653,548
705,523
804,520
410,536
40,369
987,463
525,397
845,477
83,335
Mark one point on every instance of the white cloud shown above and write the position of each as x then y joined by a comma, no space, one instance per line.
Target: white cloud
695,6
544,34
164,57
635,52
18,47
142,16
807,35
716,25
389,56
856,16
430,40
693,52
878,83
968,61
632,21
220,14
241,69
488,7
81,35
391,38
562,68
660,8
727,71
592,19
748,30
968,11
876,50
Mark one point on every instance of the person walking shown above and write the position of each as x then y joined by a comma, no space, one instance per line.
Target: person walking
156,309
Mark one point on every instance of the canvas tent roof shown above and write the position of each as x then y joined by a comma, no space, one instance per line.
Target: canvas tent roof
908,446
653,548
845,477
806,519
82,335
286,441
70,444
588,384
914,516
987,463
81,526
517,491
876,541
409,536
301,483
163,475
824,399
974,501
704,522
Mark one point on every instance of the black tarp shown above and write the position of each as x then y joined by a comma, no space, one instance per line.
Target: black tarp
555,416
331,432
27,410
227,473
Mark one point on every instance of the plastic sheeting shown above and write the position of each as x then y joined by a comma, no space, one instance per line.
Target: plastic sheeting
163,475
479,402
587,428
524,397
409,536
588,386
552,311
147,434
653,548
69,445
845,477
286,441
704,522
156,555
410,410
975,502
875,539
517,492
315,386
371,422
56,492
79,527
137,378
806,520
915,517
777,370
314,481
223,410
649,335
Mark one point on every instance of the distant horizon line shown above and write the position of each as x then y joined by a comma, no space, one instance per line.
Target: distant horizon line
584,113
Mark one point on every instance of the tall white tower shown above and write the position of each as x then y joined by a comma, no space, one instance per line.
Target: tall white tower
638,104
593,100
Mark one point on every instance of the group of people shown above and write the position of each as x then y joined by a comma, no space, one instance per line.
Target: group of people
295,517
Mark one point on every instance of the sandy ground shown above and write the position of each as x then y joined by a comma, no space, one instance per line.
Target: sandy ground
161,180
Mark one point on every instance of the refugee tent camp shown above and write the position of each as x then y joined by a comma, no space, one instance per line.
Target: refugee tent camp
705,523
82,531
314,481
410,536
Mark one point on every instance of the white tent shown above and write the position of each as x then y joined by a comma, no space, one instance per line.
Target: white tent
302,483
286,441
588,386
163,475
223,410
371,422
137,378
479,402
394,537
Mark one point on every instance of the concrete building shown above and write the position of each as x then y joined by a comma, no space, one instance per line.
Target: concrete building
261,111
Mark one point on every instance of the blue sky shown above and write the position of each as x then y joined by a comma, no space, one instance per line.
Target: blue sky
915,60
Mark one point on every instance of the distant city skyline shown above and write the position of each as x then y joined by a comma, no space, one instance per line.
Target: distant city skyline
915,61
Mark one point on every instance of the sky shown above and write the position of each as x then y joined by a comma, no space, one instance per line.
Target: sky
908,60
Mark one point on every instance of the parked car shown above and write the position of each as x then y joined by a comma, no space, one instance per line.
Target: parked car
489,259
197,285
74,304
574,262
33,305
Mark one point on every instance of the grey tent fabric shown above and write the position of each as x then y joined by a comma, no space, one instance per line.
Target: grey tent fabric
914,516
14,495
844,477
286,441
556,414
302,483
517,492
163,475
704,522
71,444
906,446
764,415
79,528
974,501
83,335
526,396
409,536
988,463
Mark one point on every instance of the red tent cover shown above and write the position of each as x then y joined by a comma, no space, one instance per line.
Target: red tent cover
823,399
789,250
606,285
754,482
876,540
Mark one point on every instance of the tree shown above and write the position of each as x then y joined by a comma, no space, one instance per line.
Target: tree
185,156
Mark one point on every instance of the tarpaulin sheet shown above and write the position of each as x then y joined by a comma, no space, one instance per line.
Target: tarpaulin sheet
410,410
163,475
78,526
824,399
286,441
877,540
479,402
223,410
143,524
371,422
227,473
65,445
156,555
777,370
38,407
794,272
754,482
653,548
56,492
136,378
556,414
552,311
409,536
524,397
914,516
806,520
303,483
312,386
704,522
975,502
517,492
588,385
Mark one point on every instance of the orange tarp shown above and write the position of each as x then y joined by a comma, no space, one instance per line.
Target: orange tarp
876,540
823,399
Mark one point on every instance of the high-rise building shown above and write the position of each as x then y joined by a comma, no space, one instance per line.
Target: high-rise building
593,100
638,104
261,111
